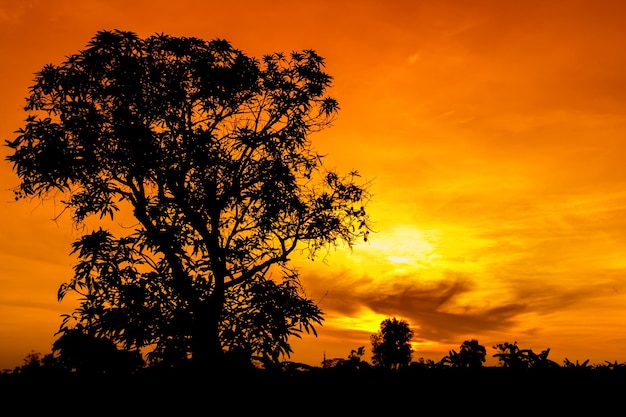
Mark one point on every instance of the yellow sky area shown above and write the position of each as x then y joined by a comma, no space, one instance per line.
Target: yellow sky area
493,135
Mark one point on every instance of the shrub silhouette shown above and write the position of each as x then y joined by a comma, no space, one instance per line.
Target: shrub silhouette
511,356
76,351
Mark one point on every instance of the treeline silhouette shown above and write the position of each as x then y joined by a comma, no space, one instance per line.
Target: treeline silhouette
522,382
82,354
89,373
98,361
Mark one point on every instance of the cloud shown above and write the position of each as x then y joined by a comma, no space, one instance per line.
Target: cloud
433,309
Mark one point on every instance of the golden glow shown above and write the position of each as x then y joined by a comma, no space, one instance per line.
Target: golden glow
399,250
364,321
492,133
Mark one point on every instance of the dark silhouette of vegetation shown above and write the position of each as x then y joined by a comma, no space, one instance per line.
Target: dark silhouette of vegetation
340,386
511,356
353,361
568,364
77,351
471,355
209,150
391,346
80,354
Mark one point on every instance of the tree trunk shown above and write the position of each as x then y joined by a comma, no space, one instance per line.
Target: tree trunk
206,347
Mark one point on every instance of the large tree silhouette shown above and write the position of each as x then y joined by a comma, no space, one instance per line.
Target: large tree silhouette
209,150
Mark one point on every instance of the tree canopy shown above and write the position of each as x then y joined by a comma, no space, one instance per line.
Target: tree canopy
209,150
471,355
391,346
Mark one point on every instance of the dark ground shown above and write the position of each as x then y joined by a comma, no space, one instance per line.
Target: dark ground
444,392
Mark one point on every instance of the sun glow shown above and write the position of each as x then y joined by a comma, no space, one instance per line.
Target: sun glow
365,321
398,250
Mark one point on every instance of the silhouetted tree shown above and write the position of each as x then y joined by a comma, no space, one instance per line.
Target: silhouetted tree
511,356
356,354
391,346
209,150
471,355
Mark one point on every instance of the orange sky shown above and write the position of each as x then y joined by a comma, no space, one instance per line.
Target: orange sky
493,133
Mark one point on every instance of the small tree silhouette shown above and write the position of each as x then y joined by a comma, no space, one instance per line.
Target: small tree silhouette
391,346
471,355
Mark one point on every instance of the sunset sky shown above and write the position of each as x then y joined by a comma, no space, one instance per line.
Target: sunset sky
493,134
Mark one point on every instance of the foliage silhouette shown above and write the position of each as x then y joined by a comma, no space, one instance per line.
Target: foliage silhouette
349,386
343,388
568,364
511,356
80,352
471,355
209,151
391,347
354,360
